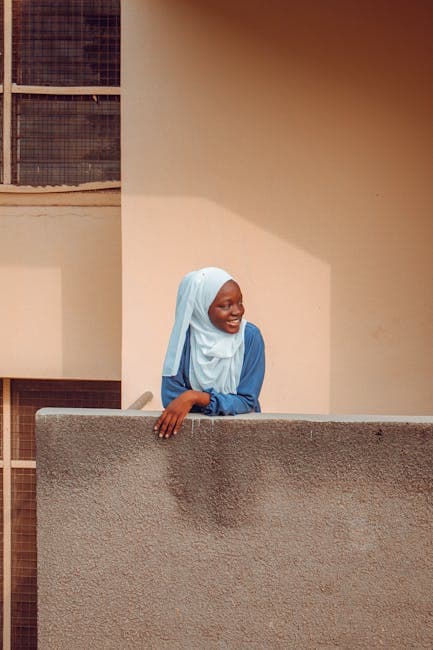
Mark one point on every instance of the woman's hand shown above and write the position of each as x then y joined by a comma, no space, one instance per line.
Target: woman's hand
172,417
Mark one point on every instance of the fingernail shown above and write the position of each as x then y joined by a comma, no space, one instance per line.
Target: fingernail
161,435
155,428
174,433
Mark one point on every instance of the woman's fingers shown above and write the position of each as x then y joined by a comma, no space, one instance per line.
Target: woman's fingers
168,425
179,423
171,419
159,421
175,425
168,428
162,423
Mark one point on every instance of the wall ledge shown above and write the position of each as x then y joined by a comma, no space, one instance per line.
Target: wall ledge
287,417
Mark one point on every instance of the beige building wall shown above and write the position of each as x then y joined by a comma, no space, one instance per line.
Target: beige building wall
290,144
60,281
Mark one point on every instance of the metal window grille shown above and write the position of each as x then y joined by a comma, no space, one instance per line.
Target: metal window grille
29,395
61,94
74,43
65,140
23,560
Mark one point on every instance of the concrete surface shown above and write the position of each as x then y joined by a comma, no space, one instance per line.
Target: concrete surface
247,532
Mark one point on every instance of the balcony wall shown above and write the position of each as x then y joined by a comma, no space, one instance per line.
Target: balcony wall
255,531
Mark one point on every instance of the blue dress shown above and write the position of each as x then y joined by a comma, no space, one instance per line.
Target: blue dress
246,399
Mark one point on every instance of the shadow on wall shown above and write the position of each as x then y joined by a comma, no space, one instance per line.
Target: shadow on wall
218,484
312,121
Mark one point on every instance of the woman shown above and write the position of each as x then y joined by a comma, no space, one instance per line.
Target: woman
215,360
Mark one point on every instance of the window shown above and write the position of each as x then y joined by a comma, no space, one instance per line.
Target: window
61,92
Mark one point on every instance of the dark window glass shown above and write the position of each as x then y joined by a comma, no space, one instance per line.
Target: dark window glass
73,43
65,139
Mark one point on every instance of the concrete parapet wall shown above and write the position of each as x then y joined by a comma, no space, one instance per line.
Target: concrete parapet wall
246,532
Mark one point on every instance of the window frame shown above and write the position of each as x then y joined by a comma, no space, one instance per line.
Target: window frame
8,89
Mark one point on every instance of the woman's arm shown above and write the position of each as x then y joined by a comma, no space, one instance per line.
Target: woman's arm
172,387
172,417
178,398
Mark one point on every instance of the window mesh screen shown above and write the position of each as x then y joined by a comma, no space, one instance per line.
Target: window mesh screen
24,588
65,140
29,395
74,43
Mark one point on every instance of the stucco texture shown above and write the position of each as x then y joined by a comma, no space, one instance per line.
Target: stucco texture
246,532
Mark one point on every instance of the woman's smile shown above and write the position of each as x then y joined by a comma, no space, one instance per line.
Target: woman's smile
227,309
234,323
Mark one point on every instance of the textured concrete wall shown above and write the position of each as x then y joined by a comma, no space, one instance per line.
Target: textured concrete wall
247,532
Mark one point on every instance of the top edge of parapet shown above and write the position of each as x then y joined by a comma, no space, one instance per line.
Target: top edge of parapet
49,412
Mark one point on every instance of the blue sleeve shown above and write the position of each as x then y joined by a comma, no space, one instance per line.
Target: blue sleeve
246,399
171,388
174,386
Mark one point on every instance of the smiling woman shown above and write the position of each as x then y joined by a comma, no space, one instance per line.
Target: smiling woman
215,360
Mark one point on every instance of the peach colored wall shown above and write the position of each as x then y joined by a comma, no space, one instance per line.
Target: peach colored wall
291,145
60,283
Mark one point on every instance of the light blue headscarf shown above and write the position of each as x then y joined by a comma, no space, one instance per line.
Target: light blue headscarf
216,356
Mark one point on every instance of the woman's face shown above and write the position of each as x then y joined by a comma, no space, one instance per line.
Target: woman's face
227,309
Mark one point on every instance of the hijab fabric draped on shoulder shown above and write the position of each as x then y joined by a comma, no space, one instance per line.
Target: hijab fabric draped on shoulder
216,356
